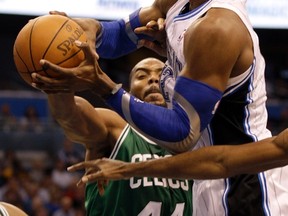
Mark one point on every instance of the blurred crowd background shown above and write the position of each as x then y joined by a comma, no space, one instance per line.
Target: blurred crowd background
34,152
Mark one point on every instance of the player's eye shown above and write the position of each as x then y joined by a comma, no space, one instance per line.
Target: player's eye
141,76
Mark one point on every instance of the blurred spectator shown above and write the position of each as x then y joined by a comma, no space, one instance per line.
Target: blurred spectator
38,207
7,119
37,170
78,195
30,121
10,166
13,193
61,177
39,192
66,208
70,153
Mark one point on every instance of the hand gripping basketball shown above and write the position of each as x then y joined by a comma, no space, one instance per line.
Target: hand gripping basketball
49,37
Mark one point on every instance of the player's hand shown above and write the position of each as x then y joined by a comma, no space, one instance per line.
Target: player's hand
156,30
100,169
87,76
101,184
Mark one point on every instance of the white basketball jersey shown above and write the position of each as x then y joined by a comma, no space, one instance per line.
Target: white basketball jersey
240,118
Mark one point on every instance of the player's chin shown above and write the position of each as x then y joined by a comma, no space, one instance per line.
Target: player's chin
158,103
156,99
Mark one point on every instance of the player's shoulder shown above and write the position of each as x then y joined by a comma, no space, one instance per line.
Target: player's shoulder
7,209
222,19
216,24
111,118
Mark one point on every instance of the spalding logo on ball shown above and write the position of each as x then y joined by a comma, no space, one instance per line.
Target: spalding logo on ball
49,37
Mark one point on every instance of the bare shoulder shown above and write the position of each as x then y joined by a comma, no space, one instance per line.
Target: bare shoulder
217,23
111,118
114,123
7,209
212,45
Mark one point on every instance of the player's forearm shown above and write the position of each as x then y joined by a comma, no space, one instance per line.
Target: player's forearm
177,129
205,163
68,115
61,105
260,156
253,157
117,38
215,162
181,166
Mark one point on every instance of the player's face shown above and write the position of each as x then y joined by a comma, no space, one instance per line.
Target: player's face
145,81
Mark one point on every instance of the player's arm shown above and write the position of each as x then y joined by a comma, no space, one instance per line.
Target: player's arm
176,129
80,121
213,47
197,91
117,38
205,163
198,88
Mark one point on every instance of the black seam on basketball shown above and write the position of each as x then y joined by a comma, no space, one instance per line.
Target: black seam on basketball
30,44
30,72
18,54
27,69
59,63
52,40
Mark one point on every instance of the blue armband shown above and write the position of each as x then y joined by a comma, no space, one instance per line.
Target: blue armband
177,129
117,38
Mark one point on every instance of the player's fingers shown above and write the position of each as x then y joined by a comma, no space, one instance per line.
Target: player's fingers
75,167
47,83
152,25
92,177
55,12
144,30
80,183
57,69
101,186
90,53
51,90
161,24
158,25
83,165
153,46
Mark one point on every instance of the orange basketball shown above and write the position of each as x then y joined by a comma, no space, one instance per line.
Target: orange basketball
49,37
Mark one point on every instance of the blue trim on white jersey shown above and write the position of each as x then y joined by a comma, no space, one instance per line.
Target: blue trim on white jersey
224,197
263,186
234,88
247,111
191,13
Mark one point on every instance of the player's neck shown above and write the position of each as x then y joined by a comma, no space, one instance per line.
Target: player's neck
196,3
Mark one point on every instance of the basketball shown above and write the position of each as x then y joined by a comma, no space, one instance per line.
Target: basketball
7,209
49,37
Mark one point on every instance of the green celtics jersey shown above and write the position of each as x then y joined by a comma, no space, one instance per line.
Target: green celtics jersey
139,196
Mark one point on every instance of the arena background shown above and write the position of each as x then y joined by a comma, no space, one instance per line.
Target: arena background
29,146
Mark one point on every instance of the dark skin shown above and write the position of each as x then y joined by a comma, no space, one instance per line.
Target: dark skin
206,61
208,162
216,25
98,129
